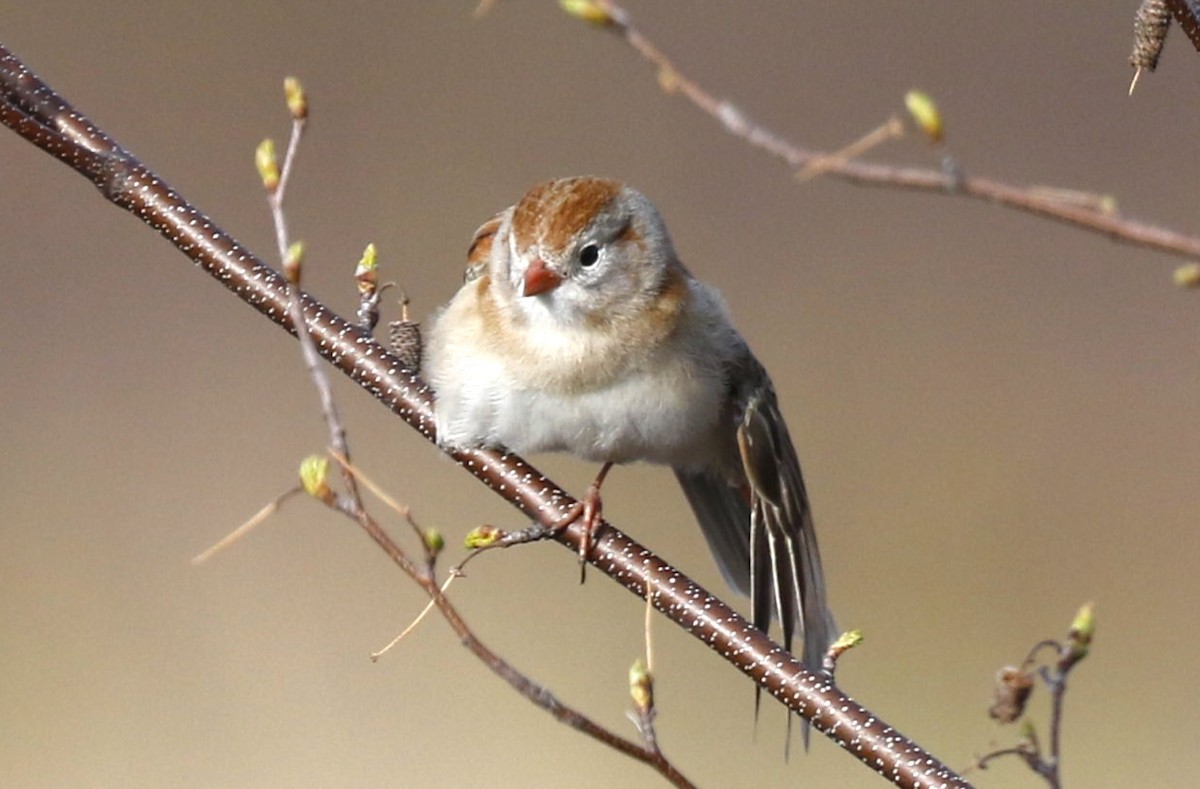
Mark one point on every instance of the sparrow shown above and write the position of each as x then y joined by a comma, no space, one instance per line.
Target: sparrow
579,330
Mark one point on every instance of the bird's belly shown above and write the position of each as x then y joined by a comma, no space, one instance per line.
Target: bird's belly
668,416
637,420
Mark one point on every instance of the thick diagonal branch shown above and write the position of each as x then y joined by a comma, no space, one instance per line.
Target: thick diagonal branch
43,118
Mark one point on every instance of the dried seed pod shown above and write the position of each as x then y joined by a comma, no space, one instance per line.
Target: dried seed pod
405,342
1013,687
1150,26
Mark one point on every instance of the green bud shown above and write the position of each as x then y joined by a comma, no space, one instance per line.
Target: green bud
296,98
314,473
924,112
267,164
434,543
641,685
482,537
587,10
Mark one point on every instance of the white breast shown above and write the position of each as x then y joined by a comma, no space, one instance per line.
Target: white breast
666,409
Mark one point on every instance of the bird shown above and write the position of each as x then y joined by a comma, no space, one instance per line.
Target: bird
578,329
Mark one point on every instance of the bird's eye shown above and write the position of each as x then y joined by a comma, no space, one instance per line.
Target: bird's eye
589,255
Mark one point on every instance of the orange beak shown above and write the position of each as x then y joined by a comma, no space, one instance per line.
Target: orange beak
539,278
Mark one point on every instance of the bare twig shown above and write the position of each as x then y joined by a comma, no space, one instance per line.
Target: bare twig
413,624
289,261
648,632
42,117
889,130
1022,751
952,183
1014,686
270,509
531,690
641,686
403,510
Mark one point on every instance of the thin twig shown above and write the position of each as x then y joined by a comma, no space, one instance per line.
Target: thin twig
532,691
889,130
308,349
1067,655
647,622
982,762
403,510
641,686
1033,201
242,530
413,625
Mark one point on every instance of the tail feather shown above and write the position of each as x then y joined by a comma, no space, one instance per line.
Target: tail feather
724,518
777,565
758,523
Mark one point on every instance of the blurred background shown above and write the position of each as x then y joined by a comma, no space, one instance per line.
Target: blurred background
998,416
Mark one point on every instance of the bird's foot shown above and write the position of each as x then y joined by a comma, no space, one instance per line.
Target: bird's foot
587,513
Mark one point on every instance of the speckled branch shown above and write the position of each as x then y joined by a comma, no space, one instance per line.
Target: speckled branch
1184,12
35,112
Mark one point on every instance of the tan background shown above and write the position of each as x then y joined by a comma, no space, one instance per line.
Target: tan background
998,416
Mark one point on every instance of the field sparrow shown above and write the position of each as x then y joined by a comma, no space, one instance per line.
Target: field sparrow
579,330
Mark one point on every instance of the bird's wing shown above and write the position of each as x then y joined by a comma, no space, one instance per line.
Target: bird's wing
786,562
761,532
481,247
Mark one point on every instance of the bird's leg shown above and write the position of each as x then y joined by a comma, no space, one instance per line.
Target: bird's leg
592,505
587,512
